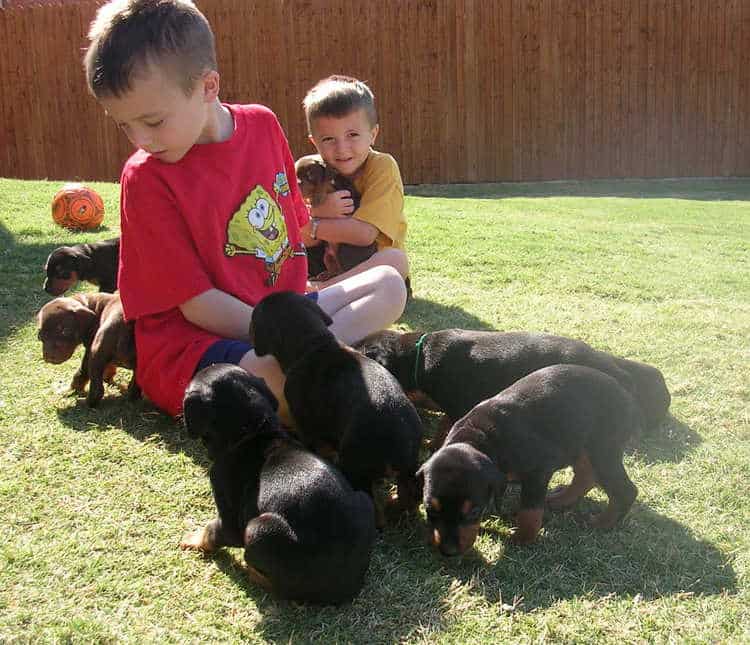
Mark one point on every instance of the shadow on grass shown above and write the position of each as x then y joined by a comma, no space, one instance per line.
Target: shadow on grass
140,419
702,189
650,556
380,613
670,443
410,585
422,314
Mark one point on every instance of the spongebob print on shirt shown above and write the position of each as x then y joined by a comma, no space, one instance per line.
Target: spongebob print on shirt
258,228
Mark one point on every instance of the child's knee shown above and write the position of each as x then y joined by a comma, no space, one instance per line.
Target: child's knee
393,288
395,258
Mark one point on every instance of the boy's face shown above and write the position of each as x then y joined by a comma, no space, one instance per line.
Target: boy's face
158,117
344,142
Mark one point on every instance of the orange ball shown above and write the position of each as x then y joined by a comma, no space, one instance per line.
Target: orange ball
77,207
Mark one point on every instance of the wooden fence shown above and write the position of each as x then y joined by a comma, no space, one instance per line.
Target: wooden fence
467,90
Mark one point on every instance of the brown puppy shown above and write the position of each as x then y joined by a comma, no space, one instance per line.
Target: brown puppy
97,321
316,181
95,263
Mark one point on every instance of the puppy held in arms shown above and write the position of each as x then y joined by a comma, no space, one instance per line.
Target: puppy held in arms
345,406
555,417
307,535
316,181
95,320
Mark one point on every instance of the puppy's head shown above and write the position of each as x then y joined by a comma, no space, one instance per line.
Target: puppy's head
63,323
284,323
395,351
223,404
312,176
62,269
458,482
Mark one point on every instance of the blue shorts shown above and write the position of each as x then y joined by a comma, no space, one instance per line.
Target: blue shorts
231,351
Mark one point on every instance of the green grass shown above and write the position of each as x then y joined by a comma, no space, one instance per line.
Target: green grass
95,501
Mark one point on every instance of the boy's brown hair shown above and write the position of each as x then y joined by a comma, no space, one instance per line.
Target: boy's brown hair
338,96
128,35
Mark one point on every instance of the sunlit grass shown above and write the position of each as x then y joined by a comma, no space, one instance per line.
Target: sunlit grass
94,502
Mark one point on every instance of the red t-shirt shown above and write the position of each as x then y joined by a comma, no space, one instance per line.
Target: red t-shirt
226,216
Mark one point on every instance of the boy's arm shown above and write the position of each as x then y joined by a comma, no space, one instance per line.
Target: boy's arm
220,313
344,229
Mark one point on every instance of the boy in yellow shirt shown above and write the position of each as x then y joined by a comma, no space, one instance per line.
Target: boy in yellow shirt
343,125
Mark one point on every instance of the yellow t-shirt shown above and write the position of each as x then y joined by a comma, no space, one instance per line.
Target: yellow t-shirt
382,204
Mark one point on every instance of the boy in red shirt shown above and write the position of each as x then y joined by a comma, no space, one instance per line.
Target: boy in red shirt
211,217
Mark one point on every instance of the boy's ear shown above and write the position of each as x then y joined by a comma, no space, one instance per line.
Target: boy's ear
374,133
211,85
311,139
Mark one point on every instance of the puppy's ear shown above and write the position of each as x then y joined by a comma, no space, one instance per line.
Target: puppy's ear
85,319
326,318
260,385
192,406
258,335
419,476
83,261
491,473
315,308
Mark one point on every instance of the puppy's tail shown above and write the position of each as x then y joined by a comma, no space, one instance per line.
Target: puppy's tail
305,568
650,391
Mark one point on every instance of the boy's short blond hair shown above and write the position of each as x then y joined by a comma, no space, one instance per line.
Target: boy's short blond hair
338,96
128,35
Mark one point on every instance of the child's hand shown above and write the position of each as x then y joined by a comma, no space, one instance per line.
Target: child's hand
337,204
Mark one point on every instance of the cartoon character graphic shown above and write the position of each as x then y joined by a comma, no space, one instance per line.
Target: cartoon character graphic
258,228
281,185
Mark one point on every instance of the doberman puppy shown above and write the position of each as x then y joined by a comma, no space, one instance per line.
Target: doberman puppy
555,417
307,534
95,263
316,181
97,321
343,403
457,368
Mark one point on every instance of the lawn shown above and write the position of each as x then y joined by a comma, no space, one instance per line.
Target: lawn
95,501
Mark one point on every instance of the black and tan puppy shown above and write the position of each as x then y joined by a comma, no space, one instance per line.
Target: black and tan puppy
555,417
457,368
342,402
95,320
307,534
95,263
316,181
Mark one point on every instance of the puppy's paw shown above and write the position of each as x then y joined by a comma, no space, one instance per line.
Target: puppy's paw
520,537
109,373
528,525
197,541
78,384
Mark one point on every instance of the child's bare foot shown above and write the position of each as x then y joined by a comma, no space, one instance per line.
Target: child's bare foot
196,541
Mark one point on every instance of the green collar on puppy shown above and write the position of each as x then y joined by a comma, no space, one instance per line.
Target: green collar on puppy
416,360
